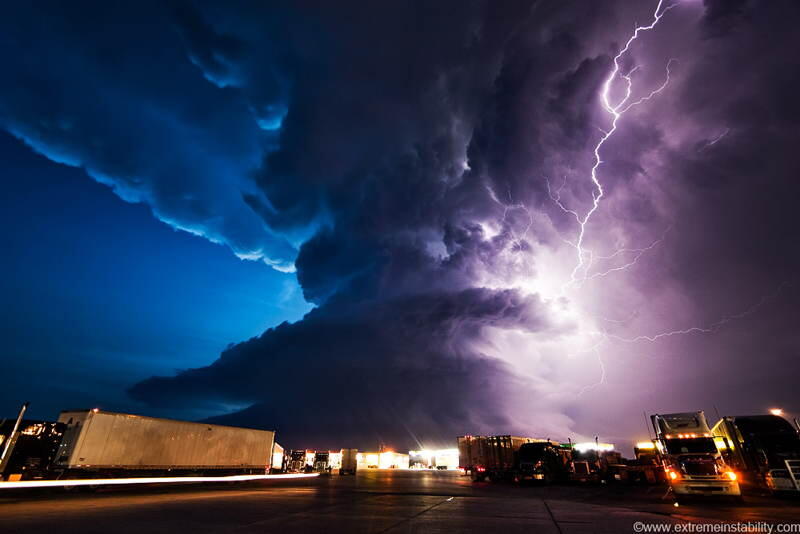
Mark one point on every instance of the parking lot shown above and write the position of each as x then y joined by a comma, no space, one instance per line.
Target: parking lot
375,501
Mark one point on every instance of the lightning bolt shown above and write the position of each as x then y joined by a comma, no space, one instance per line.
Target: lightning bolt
637,253
555,196
616,110
604,335
715,140
517,240
710,329
596,350
584,267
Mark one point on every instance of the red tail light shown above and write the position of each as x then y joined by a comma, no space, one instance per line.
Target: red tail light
480,469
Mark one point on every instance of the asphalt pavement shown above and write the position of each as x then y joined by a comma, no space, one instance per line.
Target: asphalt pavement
374,501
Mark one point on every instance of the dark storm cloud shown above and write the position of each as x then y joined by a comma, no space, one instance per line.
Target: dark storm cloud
738,179
392,370
377,136
110,89
409,139
737,183
416,141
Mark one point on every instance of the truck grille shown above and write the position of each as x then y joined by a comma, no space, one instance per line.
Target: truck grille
707,488
700,468
581,468
793,467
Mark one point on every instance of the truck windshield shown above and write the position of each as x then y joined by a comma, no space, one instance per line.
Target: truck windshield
765,424
532,452
774,435
690,446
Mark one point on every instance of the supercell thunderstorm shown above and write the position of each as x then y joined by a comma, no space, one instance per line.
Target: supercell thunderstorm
545,367
525,217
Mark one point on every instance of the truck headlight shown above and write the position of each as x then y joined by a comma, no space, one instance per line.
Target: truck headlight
731,475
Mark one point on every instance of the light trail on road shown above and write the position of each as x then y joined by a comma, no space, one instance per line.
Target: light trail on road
145,480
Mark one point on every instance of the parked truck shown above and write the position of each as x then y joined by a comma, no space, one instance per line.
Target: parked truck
543,460
645,467
296,461
595,462
349,462
28,448
322,462
690,458
511,458
764,449
100,443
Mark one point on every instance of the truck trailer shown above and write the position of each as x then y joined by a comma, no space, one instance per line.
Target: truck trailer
511,458
764,449
278,459
349,464
101,443
689,456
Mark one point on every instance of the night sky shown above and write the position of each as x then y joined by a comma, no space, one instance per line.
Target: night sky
399,222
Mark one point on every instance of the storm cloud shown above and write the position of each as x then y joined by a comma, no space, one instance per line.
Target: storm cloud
417,164
381,371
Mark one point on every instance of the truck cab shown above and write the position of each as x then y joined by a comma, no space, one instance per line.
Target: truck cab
322,461
297,461
30,451
591,461
765,448
689,456
540,461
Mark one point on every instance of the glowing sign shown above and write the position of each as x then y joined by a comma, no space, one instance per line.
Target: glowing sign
592,446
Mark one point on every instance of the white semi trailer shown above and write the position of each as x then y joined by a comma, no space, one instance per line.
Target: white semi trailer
349,462
112,444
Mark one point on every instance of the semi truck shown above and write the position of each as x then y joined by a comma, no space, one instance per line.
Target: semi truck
689,456
296,461
27,452
322,461
542,460
102,444
645,467
349,462
595,462
511,458
764,449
